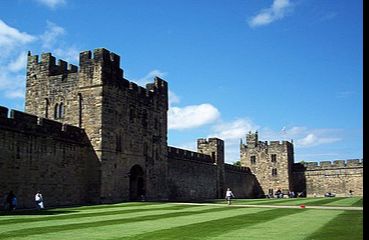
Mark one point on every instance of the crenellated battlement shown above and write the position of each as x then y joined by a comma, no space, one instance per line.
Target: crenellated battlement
209,140
175,153
236,168
330,164
48,65
30,124
99,55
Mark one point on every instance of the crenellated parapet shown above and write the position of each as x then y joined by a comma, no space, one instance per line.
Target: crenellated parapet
177,153
327,165
48,66
229,167
29,124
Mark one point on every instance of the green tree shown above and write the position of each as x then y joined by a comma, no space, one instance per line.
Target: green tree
237,163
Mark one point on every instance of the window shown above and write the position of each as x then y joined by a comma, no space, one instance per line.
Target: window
253,160
131,114
118,143
59,111
80,105
274,158
144,119
56,111
274,172
46,108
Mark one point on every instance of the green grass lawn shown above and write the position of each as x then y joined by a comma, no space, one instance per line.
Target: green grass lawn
148,220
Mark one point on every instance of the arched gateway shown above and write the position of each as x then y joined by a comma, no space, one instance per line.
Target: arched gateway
136,183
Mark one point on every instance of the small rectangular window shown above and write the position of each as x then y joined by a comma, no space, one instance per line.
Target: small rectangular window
274,172
274,158
253,160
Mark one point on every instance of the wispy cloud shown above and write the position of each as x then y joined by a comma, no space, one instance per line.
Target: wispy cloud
51,35
233,130
277,11
303,137
11,38
173,98
345,94
192,116
148,78
14,45
52,3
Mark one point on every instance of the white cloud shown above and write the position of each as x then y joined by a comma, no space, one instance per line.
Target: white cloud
303,137
192,116
19,63
14,45
52,3
68,54
148,78
233,130
312,139
11,37
277,11
51,36
173,98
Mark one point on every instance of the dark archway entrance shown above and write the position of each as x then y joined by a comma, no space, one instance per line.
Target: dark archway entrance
136,183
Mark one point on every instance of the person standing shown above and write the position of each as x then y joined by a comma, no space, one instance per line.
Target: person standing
11,200
39,200
229,196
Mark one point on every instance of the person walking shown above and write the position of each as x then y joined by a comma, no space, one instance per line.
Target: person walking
39,200
229,195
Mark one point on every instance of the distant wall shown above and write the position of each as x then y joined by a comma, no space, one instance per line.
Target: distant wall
338,177
40,154
191,175
241,181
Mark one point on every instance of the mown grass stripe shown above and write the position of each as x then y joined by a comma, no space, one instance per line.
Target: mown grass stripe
130,229
65,227
347,201
20,226
211,228
347,225
93,214
295,226
358,203
322,201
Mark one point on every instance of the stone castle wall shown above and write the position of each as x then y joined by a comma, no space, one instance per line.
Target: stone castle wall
100,138
337,177
125,123
41,154
271,162
241,181
191,175
194,176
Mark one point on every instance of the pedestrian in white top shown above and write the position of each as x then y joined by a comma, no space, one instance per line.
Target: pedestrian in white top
39,200
229,196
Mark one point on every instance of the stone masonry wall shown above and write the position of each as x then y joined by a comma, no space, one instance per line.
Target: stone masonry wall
40,154
125,123
241,181
337,177
191,175
271,162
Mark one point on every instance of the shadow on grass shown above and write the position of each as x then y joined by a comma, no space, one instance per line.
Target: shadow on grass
34,212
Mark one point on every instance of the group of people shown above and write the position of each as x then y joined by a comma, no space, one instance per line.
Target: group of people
10,202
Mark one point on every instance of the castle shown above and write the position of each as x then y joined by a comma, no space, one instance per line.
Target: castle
88,136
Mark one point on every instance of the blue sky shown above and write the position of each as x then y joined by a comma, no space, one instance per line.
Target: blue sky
290,69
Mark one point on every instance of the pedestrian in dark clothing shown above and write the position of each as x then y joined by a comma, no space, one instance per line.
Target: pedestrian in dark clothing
11,200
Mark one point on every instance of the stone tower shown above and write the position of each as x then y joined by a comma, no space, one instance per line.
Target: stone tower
214,147
125,123
271,162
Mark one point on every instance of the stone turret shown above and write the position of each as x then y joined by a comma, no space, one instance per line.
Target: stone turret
215,148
